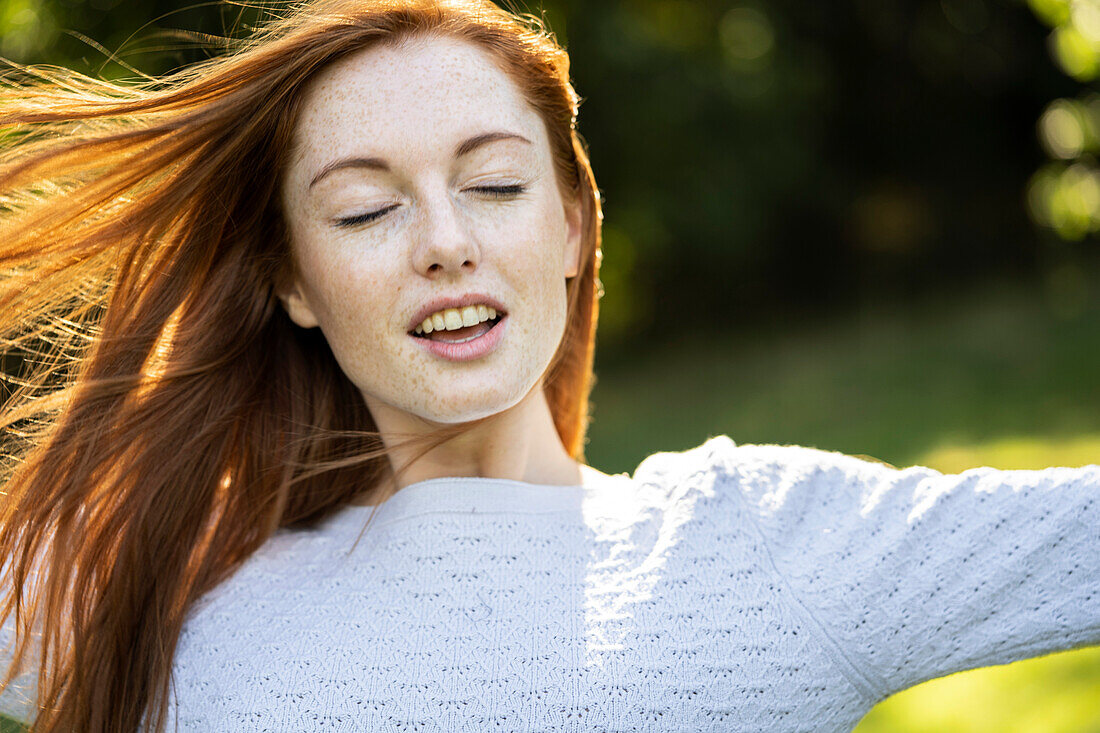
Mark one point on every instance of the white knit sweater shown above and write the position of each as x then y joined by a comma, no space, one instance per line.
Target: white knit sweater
725,588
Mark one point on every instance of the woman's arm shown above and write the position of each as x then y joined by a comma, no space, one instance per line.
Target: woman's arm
914,574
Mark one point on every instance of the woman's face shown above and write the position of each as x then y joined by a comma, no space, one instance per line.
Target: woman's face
421,181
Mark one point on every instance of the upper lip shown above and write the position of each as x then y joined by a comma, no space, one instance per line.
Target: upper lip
443,302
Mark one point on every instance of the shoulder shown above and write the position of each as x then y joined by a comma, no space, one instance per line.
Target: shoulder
721,452
286,561
758,469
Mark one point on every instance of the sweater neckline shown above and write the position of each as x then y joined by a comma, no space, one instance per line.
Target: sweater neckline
478,495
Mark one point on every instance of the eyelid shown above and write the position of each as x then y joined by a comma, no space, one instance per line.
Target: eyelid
366,217
500,189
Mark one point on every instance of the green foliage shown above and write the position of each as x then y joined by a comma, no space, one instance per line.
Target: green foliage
116,39
1075,40
1065,195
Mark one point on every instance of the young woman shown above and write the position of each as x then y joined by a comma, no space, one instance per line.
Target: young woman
348,275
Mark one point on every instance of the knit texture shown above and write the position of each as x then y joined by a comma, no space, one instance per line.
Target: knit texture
724,588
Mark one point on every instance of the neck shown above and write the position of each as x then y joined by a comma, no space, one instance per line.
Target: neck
519,443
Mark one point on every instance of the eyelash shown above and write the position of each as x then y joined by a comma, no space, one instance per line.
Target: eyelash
497,192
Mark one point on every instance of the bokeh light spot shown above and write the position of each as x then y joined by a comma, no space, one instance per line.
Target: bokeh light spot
1074,53
1061,129
1085,16
747,35
1067,200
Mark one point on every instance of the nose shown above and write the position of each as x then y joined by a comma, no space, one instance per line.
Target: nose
445,244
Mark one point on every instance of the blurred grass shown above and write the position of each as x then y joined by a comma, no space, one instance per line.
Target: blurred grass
895,382
1004,377
992,377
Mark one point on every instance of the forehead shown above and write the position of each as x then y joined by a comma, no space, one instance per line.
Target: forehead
410,101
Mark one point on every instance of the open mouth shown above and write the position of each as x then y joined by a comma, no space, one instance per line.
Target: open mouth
462,334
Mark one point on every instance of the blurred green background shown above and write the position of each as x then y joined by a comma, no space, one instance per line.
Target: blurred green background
862,225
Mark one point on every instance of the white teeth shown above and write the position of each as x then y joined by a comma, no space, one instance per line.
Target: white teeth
452,319
469,316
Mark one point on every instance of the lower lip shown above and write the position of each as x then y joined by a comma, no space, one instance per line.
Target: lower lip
467,350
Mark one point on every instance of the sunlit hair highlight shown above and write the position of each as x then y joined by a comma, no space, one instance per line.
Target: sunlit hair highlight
168,415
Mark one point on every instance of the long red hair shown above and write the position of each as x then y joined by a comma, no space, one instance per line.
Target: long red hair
169,416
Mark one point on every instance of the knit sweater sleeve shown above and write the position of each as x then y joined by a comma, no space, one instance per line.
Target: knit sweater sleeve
913,574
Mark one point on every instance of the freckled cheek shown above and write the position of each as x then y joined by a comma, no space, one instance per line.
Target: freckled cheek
542,296
540,263
355,298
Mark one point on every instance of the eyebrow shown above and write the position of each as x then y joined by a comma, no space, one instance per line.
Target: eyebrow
464,148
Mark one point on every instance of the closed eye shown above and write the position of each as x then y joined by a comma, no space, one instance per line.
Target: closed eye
500,192
351,221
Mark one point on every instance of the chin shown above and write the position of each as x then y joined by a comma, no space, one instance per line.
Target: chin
472,404
468,411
